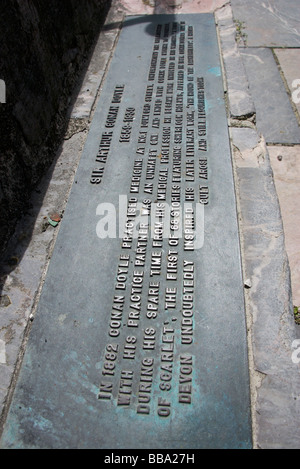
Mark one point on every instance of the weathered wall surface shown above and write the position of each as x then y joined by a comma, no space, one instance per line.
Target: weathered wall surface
43,45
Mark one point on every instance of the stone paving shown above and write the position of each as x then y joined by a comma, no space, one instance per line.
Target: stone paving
271,54
258,40
272,330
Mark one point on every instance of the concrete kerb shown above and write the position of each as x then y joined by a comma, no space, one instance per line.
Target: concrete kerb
271,327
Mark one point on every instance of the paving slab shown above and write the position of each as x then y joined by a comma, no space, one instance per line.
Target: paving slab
120,353
285,165
274,337
275,117
289,61
269,23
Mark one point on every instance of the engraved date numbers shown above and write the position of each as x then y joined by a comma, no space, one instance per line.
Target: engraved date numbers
111,355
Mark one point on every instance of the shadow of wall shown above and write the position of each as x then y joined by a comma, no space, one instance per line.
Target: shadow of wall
43,46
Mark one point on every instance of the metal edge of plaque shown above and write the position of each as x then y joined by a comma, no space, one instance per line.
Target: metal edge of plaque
140,342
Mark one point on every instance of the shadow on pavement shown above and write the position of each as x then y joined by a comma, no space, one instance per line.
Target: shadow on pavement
162,7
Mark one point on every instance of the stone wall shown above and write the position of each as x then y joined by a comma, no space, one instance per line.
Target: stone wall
43,47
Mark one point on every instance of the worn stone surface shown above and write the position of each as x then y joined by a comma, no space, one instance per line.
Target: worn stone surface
274,114
285,165
240,101
275,377
289,61
269,23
